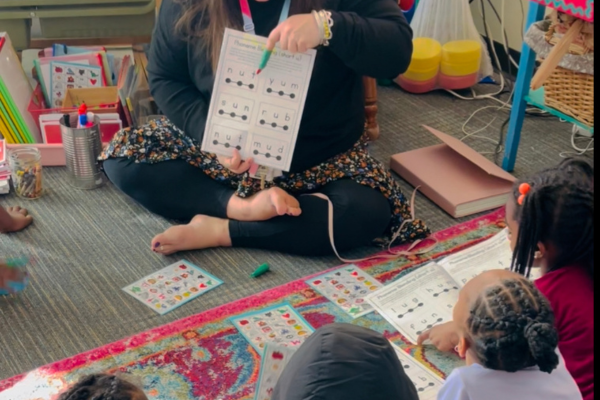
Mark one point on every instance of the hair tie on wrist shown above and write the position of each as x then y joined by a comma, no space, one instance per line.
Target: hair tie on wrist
524,189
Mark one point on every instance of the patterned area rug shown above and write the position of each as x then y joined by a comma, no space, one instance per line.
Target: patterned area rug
204,357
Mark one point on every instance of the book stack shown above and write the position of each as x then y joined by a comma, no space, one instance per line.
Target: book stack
134,91
4,170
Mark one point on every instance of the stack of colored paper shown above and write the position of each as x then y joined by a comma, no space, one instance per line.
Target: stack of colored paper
16,124
4,169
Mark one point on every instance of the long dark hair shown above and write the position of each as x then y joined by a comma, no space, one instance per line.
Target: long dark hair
558,211
206,20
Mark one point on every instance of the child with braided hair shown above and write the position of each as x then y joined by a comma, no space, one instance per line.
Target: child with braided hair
551,225
507,336
103,387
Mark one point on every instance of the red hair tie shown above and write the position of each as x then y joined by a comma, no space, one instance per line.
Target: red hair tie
524,189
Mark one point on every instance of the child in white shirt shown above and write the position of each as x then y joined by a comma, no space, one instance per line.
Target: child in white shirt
508,339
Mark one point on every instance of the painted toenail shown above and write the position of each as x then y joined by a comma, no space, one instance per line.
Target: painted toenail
156,245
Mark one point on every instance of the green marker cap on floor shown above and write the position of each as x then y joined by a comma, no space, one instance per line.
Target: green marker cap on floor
263,269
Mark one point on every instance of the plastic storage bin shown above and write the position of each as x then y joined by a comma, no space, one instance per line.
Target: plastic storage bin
60,19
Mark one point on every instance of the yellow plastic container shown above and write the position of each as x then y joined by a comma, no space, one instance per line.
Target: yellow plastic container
427,55
462,52
422,76
460,69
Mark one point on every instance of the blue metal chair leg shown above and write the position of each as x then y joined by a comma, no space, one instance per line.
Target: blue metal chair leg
517,116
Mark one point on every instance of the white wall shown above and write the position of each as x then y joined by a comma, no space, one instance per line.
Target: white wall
513,19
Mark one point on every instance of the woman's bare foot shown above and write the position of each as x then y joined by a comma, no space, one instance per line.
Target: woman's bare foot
14,219
201,233
263,206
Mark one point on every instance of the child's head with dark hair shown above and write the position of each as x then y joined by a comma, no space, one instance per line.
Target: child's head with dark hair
506,324
103,387
551,219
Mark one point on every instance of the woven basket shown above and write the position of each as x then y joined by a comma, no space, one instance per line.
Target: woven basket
571,93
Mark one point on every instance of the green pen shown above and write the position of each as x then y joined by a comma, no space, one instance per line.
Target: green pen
264,61
263,269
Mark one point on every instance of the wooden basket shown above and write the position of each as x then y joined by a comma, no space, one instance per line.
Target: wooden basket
571,93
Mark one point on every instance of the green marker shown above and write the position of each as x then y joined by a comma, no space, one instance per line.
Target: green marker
265,60
263,269
17,262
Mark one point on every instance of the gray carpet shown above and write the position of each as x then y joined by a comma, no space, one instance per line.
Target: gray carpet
86,246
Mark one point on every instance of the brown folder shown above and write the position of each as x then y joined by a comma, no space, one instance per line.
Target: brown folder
454,176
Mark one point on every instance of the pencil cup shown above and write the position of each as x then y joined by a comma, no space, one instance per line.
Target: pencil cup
26,171
82,148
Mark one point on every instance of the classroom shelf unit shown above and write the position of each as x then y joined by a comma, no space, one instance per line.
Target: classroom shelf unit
525,97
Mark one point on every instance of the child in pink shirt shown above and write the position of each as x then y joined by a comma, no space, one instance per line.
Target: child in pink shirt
551,223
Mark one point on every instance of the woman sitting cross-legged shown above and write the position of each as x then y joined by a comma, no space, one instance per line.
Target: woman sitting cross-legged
160,165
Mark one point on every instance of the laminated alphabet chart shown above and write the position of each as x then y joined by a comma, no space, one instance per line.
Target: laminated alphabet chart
280,324
427,383
347,287
259,115
274,361
173,286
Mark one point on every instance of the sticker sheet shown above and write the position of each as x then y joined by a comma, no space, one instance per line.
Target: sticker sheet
347,287
259,115
280,325
173,286
274,361
427,383
64,76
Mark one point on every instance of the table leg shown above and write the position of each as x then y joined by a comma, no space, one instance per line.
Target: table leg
517,116
371,107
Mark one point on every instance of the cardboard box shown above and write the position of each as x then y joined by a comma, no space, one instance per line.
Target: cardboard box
103,100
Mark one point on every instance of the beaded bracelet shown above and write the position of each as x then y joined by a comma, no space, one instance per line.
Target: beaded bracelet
325,23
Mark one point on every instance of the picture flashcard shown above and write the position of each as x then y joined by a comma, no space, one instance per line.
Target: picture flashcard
348,288
280,324
65,76
274,361
173,286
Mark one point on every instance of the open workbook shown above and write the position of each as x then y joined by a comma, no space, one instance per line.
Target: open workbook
426,297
